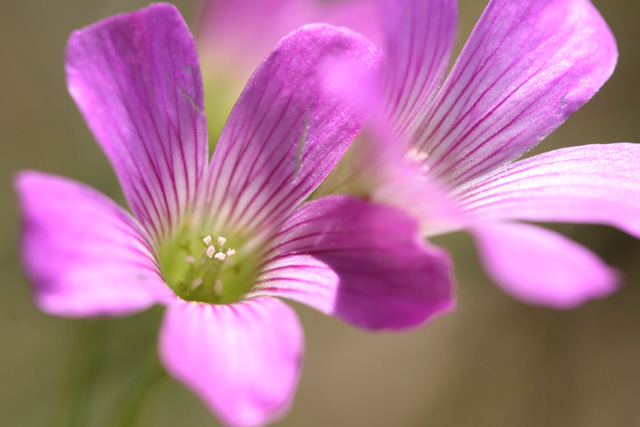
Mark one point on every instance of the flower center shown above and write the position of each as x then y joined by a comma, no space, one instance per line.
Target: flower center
208,269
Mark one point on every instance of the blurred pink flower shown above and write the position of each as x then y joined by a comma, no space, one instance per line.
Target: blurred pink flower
214,240
234,36
238,34
526,67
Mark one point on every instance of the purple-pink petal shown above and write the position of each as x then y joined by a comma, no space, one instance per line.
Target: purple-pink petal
526,67
286,132
84,255
541,267
136,79
419,41
587,184
242,359
364,263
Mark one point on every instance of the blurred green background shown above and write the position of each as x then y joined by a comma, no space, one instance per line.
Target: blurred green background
492,362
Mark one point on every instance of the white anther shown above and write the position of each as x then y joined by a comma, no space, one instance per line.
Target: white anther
190,259
222,241
196,282
207,240
210,251
221,256
217,287
231,252
416,155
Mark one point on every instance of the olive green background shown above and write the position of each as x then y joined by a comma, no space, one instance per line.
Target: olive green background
491,362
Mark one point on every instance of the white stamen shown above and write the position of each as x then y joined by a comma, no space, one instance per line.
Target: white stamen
210,251
217,287
222,241
416,156
207,240
190,259
196,282
231,252
221,256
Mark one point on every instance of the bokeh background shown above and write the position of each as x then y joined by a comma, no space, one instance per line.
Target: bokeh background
492,362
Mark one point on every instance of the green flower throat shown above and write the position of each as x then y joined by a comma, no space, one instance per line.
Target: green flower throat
211,269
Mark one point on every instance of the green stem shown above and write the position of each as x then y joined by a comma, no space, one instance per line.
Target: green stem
132,400
89,348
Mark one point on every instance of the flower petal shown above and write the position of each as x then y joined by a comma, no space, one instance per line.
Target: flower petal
419,41
527,66
84,254
362,262
242,359
136,80
541,267
285,133
589,184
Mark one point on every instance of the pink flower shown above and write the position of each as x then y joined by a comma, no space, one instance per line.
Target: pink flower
237,35
526,67
214,240
234,36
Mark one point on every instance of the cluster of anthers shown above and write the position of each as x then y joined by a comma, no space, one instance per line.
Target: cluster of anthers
203,278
